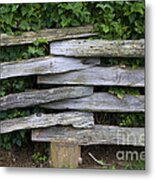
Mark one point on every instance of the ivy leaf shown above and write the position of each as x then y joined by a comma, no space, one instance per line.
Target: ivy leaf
40,41
22,133
105,28
24,25
15,7
18,142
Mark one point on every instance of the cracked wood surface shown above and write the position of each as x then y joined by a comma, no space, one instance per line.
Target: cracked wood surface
99,48
48,34
37,97
98,76
44,65
97,135
76,119
100,102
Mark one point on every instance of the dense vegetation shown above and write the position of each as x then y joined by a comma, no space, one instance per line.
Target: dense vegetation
113,20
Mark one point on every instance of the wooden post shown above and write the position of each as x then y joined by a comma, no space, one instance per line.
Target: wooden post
64,153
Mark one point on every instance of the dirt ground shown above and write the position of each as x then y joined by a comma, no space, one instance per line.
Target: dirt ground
24,156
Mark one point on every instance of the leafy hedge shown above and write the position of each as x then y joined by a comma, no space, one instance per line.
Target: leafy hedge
113,20
123,20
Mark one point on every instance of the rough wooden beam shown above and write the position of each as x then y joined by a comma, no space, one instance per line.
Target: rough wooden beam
37,97
76,119
64,154
97,76
101,102
99,48
44,65
97,135
48,34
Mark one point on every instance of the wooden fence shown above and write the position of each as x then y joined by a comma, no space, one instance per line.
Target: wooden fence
74,65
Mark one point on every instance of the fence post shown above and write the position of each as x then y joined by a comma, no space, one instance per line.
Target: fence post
65,153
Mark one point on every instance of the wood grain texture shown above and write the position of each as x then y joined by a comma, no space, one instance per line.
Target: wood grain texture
98,76
48,34
64,154
76,119
98,48
101,102
44,65
97,135
36,97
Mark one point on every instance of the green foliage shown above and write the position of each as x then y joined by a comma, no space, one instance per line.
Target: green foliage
121,119
19,137
38,48
10,139
73,14
132,165
9,86
113,20
119,20
121,92
16,85
132,120
132,63
38,16
135,165
38,157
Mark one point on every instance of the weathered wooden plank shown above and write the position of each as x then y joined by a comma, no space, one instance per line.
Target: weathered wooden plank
48,34
65,154
76,119
37,97
44,65
98,48
97,76
97,135
101,102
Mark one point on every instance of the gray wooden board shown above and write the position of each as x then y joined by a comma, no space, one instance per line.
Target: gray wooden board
76,119
97,135
44,65
101,102
98,48
36,97
48,34
97,76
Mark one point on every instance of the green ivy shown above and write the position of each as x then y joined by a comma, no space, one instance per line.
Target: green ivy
38,157
14,138
120,20
16,85
113,20
121,119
